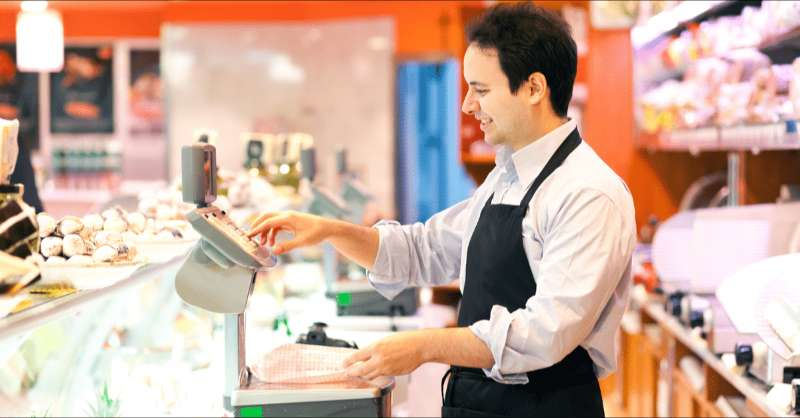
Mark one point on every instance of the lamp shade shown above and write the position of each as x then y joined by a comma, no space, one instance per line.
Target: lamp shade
40,41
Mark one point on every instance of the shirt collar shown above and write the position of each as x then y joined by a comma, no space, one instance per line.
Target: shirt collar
527,162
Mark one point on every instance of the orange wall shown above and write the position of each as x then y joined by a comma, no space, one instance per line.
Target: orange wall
420,27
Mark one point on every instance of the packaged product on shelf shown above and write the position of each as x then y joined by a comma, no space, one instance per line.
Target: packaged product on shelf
768,103
780,17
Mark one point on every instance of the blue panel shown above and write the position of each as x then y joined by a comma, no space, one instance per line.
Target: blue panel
430,176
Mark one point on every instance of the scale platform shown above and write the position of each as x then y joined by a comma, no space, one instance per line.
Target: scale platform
345,399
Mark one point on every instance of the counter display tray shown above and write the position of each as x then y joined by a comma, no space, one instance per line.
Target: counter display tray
161,251
93,276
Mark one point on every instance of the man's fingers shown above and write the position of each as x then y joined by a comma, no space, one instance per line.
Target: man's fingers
263,217
280,222
360,355
363,369
286,246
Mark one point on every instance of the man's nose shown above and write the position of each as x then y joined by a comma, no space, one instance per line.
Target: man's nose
470,105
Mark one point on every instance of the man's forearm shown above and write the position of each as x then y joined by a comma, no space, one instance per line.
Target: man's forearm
356,242
455,346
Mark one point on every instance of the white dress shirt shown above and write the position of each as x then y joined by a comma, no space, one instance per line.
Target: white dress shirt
578,235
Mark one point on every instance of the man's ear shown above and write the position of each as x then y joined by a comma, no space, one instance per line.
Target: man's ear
537,85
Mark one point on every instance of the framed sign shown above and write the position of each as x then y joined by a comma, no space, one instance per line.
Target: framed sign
19,96
82,94
146,104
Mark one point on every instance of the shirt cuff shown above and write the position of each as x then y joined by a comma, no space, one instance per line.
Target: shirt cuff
381,276
494,332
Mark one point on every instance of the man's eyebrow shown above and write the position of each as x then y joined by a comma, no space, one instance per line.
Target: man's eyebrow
477,83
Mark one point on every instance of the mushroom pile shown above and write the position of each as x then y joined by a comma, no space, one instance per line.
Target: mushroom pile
96,238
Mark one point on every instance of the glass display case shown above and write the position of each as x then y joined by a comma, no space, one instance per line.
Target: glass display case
130,349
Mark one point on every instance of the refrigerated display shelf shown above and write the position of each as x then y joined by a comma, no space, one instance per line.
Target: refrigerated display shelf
780,136
677,19
41,313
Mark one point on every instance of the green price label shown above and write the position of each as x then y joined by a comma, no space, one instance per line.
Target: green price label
251,411
344,299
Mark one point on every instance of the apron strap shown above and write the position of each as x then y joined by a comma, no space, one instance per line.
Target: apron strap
561,154
449,372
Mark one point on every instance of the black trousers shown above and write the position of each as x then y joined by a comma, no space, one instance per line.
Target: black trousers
471,394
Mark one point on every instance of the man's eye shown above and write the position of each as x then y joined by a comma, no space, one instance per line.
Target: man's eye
481,92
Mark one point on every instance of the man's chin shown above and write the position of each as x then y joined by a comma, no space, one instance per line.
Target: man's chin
490,140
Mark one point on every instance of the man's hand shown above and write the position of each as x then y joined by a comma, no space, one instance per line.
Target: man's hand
402,352
356,242
307,229
395,355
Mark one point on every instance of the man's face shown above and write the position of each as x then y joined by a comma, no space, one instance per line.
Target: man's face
504,116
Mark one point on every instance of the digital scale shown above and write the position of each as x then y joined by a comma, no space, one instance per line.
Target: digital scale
218,275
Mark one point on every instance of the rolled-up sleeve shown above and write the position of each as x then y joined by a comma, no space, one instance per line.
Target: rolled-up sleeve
586,252
419,254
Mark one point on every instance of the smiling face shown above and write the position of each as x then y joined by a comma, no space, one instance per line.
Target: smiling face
506,118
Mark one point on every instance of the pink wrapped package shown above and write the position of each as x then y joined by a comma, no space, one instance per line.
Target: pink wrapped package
303,364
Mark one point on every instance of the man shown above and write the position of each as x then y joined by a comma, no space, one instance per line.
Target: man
542,249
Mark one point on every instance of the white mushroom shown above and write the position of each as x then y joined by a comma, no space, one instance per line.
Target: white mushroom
115,225
147,235
93,222
148,206
47,224
82,260
165,235
126,252
70,225
35,258
115,212
136,222
105,253
107,238
51,246
73,245
164,212
56,260
129,237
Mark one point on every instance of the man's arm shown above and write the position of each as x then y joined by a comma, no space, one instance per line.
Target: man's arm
397,256
356,242
403,352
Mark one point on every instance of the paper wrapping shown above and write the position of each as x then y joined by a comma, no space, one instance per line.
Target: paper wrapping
303,364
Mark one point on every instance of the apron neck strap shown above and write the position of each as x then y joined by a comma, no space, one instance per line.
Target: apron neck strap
561,154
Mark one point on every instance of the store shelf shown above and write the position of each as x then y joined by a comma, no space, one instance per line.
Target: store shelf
675,20
33,317
752,389
754,138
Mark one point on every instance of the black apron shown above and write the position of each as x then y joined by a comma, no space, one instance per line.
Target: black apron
498,273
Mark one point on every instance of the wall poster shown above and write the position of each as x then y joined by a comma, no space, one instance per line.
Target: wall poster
82,94
146,104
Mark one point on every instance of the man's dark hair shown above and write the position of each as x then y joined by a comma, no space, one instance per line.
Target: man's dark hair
530,39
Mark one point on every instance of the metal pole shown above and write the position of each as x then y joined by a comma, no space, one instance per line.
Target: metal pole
736,184
234,356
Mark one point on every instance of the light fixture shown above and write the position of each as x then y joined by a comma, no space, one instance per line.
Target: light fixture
40,38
